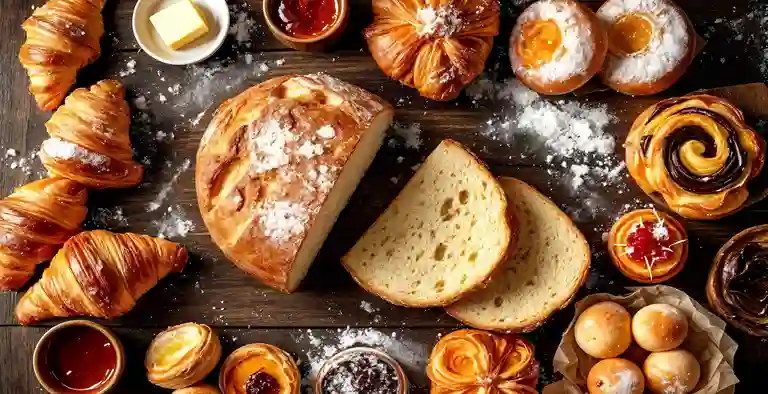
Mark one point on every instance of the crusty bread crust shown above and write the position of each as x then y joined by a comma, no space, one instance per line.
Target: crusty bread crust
443,300
533,322
268,162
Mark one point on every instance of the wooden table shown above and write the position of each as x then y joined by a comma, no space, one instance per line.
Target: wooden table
214,292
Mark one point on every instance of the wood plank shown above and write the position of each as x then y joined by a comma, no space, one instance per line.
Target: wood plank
411,347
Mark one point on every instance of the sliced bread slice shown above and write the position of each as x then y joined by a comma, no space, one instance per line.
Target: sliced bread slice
541,275
442,236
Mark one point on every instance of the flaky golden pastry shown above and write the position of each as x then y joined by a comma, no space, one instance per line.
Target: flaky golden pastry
479,362
99,274
89,138
35,220
648,246
696,153
62,37
258,365
277,164
435,46
198,389
182,355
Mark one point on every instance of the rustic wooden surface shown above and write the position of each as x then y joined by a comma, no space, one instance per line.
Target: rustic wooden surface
214,292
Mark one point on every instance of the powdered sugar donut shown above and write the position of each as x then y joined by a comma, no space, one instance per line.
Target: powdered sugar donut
557,46
650,45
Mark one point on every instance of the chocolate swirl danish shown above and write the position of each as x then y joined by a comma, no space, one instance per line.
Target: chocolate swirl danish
738,282
696,153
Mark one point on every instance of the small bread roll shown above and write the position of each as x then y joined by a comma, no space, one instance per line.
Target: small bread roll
603,330
672,372
615,376
636,354
659,327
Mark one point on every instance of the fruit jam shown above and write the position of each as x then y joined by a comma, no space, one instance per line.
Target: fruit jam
650,241
305,18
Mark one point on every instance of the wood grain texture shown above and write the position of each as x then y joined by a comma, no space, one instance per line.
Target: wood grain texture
213,291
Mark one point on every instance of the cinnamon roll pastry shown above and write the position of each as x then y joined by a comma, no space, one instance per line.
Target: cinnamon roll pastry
557,46
648,246
696,153
479,362
257,367
737,288
650,45
89,138
182,355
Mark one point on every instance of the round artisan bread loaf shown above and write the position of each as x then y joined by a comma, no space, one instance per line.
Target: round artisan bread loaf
278,163
541,274
442,236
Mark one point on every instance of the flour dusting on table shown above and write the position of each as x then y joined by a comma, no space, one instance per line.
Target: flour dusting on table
174,223
163,194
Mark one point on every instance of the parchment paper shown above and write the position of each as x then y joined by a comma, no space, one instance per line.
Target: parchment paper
706,339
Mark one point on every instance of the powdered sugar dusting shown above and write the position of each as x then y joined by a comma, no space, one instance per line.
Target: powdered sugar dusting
174,223
163,194
269,142
281,220
444,21
408,134
65,150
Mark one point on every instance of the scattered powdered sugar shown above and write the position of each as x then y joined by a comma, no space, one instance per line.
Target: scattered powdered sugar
411,355
442,22
268,142
130,68
281,220
242,26
65,150
326,132
106,218
367,307
744,28
309,149
407,134
174,223
175,89
163,194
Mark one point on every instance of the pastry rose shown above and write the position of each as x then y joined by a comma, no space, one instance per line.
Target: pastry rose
436,46
479,362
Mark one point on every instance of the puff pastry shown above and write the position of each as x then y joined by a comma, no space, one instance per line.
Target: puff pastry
35,220
696,153
557,46
62,37
479,362
182,355
737,288
648,246
99,274
89,138
437,47
198,389
651,45
259,365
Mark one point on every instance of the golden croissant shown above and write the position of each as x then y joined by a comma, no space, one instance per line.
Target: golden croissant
62,37
479,362
89,138
35,220
100,274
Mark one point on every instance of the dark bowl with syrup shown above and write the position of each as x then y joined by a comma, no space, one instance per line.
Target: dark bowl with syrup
306,25
78,356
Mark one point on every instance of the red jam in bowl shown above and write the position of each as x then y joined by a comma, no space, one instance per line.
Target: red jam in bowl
305,18
78,359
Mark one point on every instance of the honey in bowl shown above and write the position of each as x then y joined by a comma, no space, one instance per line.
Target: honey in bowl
78,359
305,18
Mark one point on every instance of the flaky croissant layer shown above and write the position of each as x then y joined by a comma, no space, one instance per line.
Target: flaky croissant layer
100,274
35,220
62,37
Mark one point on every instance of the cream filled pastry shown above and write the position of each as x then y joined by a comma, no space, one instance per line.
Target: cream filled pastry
650,45
696,153
557,46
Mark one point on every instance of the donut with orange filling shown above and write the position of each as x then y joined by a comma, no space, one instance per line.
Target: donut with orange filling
650,45
696,153
557,46
648,246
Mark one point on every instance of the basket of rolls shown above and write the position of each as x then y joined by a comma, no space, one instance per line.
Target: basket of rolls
655,340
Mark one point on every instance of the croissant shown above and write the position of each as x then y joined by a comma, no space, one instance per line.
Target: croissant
34,222
100,274
89,138
62,37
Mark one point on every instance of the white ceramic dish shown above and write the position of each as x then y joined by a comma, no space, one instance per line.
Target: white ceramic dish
216,14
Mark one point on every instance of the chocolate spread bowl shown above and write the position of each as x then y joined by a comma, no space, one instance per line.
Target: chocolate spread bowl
347,360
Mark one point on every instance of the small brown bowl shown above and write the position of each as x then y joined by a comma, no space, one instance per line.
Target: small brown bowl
346,354
47,378
311,44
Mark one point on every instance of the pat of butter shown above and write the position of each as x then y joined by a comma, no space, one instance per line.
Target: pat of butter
179,24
